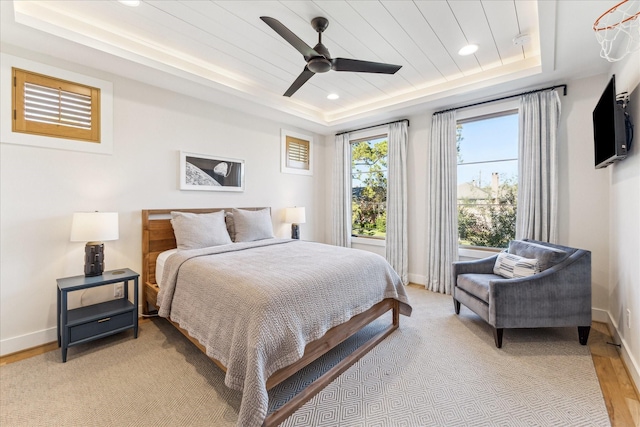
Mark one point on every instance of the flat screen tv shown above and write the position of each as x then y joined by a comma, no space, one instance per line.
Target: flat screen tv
609,129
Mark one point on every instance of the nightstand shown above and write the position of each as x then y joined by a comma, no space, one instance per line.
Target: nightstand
95,321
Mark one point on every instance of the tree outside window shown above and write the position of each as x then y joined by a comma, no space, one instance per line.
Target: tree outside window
487,180
369,187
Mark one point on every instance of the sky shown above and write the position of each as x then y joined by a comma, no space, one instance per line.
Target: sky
490,139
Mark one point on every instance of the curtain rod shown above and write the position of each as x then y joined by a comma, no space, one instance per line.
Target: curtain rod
374,126
564,93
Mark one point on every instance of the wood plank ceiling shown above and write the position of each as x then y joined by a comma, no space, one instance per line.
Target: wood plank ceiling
227,43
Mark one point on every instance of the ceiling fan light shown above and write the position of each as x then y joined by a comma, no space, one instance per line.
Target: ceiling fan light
319,65
468,50
333,96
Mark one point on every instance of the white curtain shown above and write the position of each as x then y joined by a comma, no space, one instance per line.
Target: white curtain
341,229
397,247
442,210
538,167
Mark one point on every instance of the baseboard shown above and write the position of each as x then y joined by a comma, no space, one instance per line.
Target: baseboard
418,279
33,339
632,365
27,341
600,315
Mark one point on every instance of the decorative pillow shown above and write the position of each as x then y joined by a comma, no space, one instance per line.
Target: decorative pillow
252,225
514,266
195,231
231,227
547,256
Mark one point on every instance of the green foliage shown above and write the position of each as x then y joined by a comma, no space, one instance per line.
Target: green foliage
489,224
369,201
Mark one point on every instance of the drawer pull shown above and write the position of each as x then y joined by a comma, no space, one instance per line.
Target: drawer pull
104,320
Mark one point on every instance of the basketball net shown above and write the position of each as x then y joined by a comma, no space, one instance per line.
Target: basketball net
618,30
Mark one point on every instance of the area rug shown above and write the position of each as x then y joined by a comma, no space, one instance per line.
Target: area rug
438,369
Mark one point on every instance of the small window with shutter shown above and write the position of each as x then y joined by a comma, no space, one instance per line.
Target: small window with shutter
52,107
296,153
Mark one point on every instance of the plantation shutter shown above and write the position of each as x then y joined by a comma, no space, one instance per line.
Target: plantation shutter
52,107
297,153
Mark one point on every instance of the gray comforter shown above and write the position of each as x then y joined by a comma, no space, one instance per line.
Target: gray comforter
256,305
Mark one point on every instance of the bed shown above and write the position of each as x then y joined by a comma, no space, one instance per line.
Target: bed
261,289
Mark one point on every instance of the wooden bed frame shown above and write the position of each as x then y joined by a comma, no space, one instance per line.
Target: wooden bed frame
157,236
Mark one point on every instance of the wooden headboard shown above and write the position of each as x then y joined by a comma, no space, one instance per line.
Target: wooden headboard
157,236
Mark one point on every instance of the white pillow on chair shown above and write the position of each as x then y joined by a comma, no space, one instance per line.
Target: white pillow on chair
514,266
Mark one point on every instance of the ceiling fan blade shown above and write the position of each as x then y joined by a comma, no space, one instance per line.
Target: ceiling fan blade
302,79
343,64
295,41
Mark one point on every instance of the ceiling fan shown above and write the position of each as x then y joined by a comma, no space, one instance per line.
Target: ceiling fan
318,59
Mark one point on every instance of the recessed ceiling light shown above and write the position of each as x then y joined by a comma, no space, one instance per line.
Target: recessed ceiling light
131,3
468,50
333,96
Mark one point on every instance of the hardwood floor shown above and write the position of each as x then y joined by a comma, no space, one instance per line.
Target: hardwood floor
620,395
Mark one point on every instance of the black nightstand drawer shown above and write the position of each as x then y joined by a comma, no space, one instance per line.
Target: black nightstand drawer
101,326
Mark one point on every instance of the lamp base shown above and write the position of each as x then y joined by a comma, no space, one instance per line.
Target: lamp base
93,259
295,231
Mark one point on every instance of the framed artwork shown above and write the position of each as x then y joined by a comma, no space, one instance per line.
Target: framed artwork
296,153
210,173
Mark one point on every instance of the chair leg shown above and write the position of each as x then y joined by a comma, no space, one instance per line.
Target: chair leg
497,336
456,306
583,334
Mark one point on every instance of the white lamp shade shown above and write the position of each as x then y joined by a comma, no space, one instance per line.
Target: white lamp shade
94,226
295,216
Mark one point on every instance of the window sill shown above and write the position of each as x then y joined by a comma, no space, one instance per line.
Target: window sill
370,242
477,253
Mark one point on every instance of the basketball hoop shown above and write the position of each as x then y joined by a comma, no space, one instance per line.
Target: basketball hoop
618,30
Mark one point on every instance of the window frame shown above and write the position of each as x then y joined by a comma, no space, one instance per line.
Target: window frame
21,124
9,136
285,135
486,111
355,137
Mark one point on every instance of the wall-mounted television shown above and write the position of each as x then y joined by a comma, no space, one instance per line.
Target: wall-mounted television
609,128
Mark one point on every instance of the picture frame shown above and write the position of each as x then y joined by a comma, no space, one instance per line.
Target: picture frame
204,172
296,153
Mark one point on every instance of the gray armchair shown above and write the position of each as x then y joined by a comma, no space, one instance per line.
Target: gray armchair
559,295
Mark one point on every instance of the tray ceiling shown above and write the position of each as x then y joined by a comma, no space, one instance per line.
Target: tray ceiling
225,45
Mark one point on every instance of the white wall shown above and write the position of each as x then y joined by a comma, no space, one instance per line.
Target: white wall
624,206
583,190
40,189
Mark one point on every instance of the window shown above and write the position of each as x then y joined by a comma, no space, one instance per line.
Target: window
297,151
369,187
487,179
53,107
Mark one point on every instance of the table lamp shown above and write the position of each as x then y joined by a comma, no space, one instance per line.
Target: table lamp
295,216
94,228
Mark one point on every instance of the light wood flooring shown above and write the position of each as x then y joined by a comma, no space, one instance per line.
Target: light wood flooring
620,395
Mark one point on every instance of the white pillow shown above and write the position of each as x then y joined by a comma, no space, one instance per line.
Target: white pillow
514,266
195,231
252,225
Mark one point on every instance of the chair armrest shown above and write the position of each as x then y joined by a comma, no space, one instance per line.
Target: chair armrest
558,296
479,266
